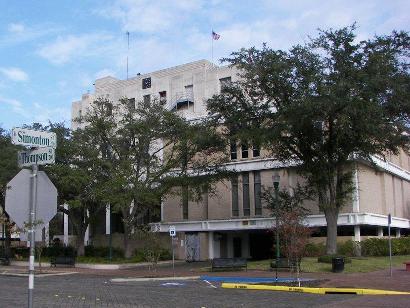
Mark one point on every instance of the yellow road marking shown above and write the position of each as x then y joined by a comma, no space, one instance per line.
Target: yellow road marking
312,290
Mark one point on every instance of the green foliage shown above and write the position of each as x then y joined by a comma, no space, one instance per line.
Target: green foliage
141,255
328,258
58,250
380,246
315,250
348,248
320,104
103,252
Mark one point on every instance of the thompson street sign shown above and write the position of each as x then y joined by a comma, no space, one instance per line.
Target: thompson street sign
33,138
41,156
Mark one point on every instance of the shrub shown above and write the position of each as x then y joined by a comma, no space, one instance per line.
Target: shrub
314,250
103,252
58,250
380,246
348,248
328,258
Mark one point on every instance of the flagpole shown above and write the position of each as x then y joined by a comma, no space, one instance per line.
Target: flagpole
128,49
212,44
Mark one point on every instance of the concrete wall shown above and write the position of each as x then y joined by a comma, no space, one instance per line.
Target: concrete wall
383,193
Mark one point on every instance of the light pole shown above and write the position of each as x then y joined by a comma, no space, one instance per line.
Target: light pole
276,180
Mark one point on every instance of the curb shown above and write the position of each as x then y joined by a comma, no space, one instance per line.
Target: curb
312,290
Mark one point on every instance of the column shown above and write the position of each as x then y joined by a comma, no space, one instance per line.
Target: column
47,234
65,238
87,233
398,233
108,219
210,245
380,231
357,237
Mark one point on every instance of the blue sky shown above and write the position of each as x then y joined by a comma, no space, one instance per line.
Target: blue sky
52,51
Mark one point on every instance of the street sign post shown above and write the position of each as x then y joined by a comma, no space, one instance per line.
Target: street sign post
172,233
36,141
33,138
41,156
388,227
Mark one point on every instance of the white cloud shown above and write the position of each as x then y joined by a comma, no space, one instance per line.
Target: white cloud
14,73
43,114
16,106
16,28
65,48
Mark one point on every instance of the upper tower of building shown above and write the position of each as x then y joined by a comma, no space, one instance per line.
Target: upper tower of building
183,88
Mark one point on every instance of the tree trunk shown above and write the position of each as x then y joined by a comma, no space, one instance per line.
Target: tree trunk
80,244
331,215
127,246
7,241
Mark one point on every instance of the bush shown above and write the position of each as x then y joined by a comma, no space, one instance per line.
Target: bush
348,248
58,250
140,255
103,252
380,246
314,250
328,258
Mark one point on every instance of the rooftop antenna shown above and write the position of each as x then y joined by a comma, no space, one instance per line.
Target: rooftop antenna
128,49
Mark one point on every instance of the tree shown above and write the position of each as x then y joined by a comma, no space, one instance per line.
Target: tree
8,169
144,151
75,180
322,106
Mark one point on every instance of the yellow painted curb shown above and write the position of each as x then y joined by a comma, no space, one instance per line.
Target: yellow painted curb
312,290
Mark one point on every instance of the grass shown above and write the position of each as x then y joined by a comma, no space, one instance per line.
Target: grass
358,265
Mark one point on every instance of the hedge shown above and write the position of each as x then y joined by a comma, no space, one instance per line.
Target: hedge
380,246
103,252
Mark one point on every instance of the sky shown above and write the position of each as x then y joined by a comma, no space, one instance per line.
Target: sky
51,51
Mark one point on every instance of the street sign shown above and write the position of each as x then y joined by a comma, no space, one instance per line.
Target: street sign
172,231
33,138
41,156
18,198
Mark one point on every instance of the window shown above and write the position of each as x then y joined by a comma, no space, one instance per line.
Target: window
255,151
245,150
224,82
147,99
245,188
80,114
163,96
234,154
235,206
185,202
257,191
146,83
131,103
108,109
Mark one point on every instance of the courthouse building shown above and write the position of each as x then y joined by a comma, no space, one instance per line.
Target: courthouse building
233,222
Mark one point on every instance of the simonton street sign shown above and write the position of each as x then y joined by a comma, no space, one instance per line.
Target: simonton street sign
33,138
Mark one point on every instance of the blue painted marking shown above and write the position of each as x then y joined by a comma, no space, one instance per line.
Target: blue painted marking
250,279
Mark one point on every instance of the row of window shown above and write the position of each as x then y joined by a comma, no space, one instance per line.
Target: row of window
257,189
244,150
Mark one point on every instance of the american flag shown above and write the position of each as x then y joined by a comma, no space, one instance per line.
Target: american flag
215,36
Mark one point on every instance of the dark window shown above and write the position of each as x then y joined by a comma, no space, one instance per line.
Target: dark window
146,83
245,187
234,153
163,96
147,99
185,202
131,103
255,151
224,82
257,191
235,206
245,150
108,109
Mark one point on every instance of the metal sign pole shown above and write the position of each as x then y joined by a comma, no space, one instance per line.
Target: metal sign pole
32,238
389,223
173,255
